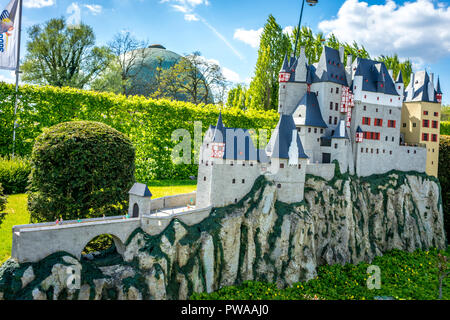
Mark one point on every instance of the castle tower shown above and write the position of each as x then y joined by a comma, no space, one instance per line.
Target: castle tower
292,80
421,117
140,199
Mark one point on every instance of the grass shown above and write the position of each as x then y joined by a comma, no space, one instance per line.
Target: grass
404,276
17,213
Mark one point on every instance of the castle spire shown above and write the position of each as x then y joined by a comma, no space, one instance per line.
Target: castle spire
219,134
400,77
438,88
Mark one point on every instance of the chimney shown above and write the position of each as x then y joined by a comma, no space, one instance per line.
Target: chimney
349,60
341,54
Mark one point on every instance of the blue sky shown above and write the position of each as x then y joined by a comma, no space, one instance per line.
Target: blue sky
227,31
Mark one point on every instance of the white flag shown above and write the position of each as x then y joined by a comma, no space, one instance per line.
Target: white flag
9,35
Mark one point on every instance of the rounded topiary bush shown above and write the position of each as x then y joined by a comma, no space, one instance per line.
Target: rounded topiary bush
80,170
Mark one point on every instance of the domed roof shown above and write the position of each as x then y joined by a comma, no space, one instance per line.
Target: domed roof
144,70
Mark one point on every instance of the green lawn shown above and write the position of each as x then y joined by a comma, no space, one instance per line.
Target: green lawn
17,213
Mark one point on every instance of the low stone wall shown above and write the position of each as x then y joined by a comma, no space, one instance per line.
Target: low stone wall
154,225
323,170
180,200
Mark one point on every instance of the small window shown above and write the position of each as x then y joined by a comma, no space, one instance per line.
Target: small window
425,113
299,166
390,152
331,105
404,125
243,181
414,125
336,107
279,186
331,90
309,130
362,150
426,123
436,114
390,111
234,181
335,120
321,130
281,165
365,107
204,179
435,125
335,145
337,90
315,130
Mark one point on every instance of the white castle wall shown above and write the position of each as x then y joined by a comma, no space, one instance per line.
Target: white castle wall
325,97
324,170
290,95
290,180
181,200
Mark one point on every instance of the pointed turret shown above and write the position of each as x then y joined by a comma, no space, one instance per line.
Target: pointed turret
219,133
399,77
285,66
438,92
281,141
438,88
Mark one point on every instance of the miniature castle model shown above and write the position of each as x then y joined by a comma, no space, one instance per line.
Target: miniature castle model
354,113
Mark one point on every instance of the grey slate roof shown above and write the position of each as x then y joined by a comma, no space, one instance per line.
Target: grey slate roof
420,82
140,190
283,139
375,77
238,143
330,68
341,131
359,130
313,116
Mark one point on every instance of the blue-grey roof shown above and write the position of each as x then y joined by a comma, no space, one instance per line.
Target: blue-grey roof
400,77
140,190
418,89
341,131
238,143
330,68
313,116
438,88
375,76
283,139
359,130
285,66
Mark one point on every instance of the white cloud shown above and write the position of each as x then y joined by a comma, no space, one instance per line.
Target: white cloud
289,30
38,3
190,17
250,37
95,9
230,75
419,29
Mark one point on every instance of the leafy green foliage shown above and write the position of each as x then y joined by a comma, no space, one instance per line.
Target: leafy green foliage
80,170
444,179
14,174
60,55
393,63
403,276
445,128
148,123
2,200
274,45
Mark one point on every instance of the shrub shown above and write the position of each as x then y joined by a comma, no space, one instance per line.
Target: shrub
14,174
444,178
80,170
2,200
445,128
148,123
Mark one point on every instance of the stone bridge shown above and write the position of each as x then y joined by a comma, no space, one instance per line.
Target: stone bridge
32,243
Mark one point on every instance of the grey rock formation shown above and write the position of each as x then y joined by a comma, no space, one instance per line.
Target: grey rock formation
345,220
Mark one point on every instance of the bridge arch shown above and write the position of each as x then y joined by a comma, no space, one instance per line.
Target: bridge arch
119,244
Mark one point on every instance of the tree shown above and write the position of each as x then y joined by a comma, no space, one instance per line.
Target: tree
193,79
274,45
61,55
237,97
80,170
393,63
130,55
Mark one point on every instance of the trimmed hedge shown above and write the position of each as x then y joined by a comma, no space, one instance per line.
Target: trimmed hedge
80,170
14,174
148,123
444,178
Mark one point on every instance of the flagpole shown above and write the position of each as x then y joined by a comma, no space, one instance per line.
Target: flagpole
17,77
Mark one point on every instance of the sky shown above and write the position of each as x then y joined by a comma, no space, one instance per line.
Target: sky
227,31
